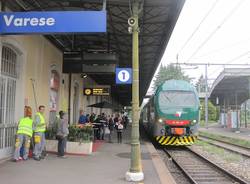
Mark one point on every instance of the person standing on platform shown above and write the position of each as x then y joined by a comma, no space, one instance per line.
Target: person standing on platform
39,127
62,133
24,134
111,125
82,119
119,130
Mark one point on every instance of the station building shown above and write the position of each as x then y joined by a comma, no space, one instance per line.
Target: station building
31,74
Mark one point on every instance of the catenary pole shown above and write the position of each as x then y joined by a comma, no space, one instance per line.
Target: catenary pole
135,171
206,98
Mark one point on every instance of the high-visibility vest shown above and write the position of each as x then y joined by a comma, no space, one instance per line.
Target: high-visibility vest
25,126
41,127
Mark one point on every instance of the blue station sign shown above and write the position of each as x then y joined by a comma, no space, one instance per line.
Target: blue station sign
53,22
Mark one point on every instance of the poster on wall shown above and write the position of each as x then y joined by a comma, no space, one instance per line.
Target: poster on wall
54,88
53,100
54,81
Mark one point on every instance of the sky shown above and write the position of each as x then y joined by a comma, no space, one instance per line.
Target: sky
210,31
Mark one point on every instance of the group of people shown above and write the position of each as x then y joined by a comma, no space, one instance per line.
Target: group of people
33,131
105,124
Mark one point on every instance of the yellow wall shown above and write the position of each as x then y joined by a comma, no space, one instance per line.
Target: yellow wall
37,57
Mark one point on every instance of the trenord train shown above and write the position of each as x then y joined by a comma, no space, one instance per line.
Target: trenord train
171,116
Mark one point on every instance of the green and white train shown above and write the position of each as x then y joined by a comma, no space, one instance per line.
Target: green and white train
171,116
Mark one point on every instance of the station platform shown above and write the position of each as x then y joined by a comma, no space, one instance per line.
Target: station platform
107,165
215,128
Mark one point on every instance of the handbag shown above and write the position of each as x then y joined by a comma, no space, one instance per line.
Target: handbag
106,130
120,127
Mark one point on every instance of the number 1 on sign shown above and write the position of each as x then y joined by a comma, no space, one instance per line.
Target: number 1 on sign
123,75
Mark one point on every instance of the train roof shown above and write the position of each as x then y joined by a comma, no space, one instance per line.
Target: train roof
176,85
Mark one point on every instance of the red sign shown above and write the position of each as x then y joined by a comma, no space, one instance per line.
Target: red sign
177,122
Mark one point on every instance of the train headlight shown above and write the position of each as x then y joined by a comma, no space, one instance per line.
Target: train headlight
194,121
160,120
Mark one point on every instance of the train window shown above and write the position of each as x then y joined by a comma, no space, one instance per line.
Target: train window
176,99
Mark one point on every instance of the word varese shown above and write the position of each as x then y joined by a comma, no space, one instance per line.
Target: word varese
11,20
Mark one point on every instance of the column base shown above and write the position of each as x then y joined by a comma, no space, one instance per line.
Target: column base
138,176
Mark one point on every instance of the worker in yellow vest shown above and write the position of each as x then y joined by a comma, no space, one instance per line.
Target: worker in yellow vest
24,134
39,128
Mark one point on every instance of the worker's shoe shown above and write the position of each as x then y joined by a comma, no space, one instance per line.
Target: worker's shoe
42,157
37,158
59,156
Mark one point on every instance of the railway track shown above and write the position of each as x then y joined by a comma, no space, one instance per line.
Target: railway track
200,170
228,146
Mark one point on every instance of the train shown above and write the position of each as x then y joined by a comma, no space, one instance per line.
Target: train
171,116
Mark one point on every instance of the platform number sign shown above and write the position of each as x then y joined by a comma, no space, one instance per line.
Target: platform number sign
123,75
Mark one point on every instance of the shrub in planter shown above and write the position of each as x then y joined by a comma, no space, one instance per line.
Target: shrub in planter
77,133
81,133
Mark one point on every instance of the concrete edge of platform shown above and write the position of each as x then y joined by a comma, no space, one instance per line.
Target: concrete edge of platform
160,167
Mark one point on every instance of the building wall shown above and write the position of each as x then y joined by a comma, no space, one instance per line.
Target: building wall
37,58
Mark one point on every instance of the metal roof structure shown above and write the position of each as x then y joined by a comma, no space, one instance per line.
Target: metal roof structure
232,87
157,21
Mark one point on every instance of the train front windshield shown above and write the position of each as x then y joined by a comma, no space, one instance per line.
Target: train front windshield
170,99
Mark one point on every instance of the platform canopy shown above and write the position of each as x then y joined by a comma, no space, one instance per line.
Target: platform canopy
157,21
231,88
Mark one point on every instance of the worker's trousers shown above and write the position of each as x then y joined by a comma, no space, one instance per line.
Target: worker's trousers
39,144
22,140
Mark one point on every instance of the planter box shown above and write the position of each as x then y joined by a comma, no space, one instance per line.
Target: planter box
71,147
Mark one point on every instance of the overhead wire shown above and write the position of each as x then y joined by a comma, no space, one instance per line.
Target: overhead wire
198,26
225,47
229,15
234,59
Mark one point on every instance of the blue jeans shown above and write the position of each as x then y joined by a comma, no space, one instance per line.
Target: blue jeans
39,146
62,146
22,140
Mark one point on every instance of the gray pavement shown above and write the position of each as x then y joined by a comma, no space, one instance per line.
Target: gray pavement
216,128
106,166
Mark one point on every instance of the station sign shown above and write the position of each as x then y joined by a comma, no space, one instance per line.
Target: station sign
123,75
52,22
96,91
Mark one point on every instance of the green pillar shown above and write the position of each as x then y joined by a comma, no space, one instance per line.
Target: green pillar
135,171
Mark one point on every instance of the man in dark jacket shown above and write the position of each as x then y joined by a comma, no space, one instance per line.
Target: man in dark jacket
111,126
62,133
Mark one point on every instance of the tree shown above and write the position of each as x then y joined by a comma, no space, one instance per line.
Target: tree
212,111
169,72
201,84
